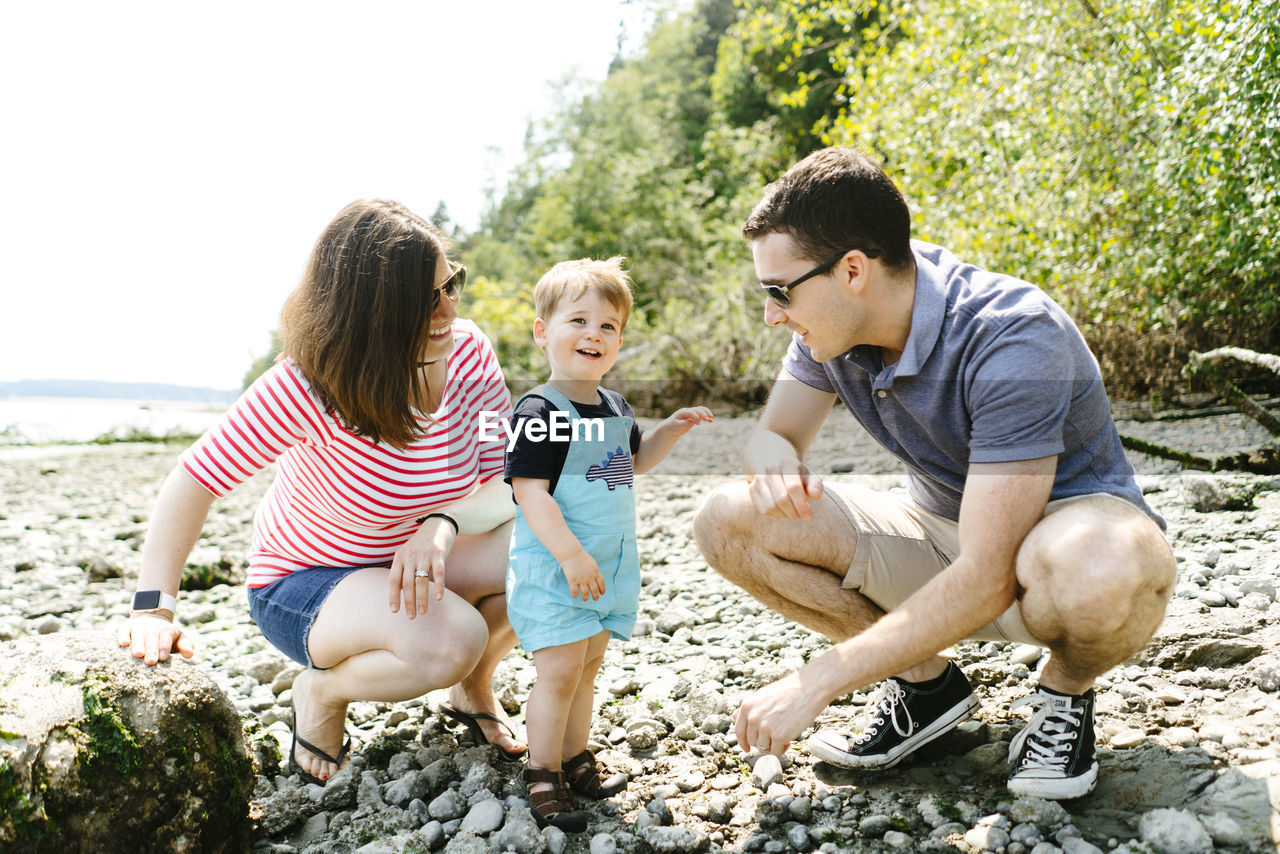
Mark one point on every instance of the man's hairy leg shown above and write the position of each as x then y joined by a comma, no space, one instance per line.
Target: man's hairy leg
794,567
1096,576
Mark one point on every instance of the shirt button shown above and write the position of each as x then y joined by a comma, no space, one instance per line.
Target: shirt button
882,394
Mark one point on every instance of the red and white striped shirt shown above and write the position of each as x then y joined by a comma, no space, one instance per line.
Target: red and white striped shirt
339,499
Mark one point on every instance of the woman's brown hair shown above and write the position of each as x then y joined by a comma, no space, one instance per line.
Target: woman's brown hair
357,323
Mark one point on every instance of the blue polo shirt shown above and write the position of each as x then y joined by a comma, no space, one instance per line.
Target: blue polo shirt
993,371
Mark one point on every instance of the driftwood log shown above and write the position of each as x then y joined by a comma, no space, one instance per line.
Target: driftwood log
1206,370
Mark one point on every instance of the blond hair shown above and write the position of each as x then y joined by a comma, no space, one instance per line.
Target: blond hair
570,280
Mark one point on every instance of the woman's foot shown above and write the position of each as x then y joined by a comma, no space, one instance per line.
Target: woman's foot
320,724
486,703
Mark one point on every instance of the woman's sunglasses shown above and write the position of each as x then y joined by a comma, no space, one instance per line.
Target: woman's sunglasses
452,287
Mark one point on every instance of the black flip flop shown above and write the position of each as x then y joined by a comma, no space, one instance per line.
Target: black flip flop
472,722
292,766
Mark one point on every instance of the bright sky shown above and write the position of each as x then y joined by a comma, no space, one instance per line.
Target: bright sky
167,166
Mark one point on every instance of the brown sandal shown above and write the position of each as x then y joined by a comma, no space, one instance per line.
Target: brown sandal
583,774
555,806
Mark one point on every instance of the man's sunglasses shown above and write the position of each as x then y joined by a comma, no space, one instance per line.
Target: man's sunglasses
779,293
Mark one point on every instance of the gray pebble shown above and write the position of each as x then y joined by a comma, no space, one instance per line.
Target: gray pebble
950,828
1027,833
767,771
875,826
798,836
1038,811
987,838
447,806
466,843
659,810
556,839
520,833
1224,830
897,839
675,840
603,843
801,809
1173,831
1025,653
369,792
417,810
484,817
411,786
340,790
432,833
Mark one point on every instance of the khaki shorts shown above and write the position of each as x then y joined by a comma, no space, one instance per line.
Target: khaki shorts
902,546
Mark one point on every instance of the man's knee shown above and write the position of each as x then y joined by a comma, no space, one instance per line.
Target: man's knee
1093,560
717,523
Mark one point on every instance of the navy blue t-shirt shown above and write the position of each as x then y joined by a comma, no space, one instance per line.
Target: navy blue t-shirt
545,460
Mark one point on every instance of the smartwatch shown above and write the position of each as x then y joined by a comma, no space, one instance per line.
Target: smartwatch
151,600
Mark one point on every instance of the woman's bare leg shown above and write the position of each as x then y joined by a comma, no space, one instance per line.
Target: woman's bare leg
478,573
372,654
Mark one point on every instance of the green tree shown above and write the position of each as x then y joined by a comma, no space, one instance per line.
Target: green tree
263,362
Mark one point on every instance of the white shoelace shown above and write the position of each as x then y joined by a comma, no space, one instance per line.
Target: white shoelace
884,704
1051,730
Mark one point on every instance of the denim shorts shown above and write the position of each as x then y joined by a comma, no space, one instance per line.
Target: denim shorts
285,609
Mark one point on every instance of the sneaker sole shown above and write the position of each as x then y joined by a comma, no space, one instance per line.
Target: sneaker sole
1055,788
836,756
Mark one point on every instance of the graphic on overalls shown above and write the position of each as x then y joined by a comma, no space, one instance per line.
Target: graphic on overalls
616,469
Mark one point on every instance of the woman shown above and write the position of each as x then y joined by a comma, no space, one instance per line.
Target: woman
384,494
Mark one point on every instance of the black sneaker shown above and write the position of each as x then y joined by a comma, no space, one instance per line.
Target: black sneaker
900,718
1053,756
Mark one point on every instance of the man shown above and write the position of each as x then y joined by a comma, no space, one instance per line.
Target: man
1023,520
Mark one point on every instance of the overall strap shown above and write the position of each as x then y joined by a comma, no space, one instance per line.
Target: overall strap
564,404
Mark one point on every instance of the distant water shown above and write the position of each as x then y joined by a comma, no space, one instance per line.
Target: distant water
31,421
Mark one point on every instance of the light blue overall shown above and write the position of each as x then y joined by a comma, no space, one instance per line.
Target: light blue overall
596,494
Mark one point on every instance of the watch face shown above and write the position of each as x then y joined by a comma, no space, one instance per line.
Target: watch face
145,600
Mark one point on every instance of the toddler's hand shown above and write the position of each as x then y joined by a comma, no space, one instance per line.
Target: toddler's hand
684,420
584,576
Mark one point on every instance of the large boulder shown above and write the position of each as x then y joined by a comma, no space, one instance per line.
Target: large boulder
99,752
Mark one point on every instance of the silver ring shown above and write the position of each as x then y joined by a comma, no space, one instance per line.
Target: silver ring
422,573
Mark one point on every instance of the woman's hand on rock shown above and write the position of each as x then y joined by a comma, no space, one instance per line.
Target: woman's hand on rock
418,564
152,637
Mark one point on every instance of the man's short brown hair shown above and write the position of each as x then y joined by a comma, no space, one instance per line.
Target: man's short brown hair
832,201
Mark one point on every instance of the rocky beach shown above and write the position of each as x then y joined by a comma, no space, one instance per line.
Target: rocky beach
1187,730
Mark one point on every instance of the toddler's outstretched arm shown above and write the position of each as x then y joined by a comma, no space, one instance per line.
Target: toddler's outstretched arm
655,444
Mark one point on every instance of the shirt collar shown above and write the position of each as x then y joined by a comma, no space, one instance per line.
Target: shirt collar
927,311
926,316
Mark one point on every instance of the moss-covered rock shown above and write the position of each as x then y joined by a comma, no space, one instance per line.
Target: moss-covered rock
99,752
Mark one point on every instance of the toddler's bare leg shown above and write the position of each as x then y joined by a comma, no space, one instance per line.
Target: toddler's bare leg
560,670
578,726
